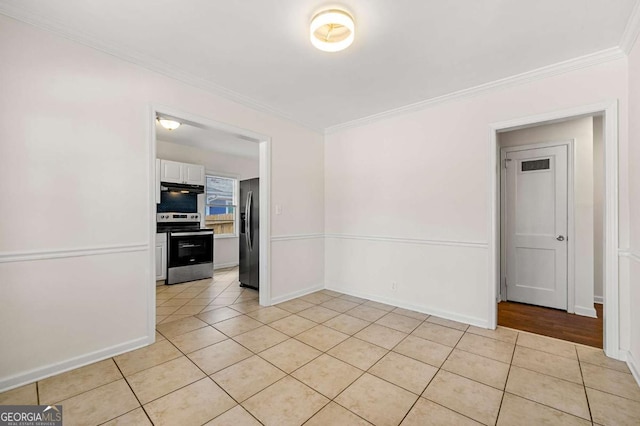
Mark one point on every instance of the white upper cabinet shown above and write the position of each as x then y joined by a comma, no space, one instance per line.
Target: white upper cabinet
193,174
175,172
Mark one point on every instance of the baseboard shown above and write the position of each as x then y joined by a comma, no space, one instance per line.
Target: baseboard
633,366
31,376
429,310
598,299
585,311
224,265
298,293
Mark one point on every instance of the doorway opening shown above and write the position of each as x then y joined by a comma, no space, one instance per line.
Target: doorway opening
554,225
226,156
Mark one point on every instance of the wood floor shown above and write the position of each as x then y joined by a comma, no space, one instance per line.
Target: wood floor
552,322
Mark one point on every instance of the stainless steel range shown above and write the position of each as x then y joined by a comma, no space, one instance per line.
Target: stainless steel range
190,249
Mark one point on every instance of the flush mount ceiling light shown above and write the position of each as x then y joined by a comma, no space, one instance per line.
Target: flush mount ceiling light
332,30
168,124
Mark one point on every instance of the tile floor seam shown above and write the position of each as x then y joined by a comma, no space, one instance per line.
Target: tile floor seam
604,366
584,387
134,395
342,406
613,394
124,414
545,405
457,412
504,390
90,389
482,356
466,378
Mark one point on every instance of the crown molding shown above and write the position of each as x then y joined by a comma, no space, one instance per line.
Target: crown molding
585,61
147,62
631,31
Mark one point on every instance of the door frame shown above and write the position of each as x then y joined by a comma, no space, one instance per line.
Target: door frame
264,144
570,144
611,280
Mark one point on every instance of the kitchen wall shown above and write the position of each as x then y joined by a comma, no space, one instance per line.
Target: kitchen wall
630,263
75,254
407,197
225,249
581,130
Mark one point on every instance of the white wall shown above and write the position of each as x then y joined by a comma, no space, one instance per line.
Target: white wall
598,209
407,197
75,175
581,130
630,263
225,248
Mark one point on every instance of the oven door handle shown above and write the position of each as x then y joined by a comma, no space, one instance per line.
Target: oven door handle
190,234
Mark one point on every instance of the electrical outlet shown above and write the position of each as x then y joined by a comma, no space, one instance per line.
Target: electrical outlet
278,209
394,286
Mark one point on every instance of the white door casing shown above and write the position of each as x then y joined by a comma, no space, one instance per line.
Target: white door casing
536,224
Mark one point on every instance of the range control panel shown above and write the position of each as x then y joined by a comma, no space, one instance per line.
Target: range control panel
178,217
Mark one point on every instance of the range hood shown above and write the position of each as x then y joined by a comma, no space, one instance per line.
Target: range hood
181,187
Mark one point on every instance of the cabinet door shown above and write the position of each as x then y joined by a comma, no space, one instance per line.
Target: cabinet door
161,261
193,174
171,171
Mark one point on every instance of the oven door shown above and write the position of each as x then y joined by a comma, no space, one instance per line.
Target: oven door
190,248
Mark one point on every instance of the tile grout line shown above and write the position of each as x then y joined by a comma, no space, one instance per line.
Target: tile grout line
134,394
504,391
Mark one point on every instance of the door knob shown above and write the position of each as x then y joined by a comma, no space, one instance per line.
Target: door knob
560,238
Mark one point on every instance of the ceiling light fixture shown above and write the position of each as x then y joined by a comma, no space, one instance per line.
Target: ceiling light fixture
332,30
168,123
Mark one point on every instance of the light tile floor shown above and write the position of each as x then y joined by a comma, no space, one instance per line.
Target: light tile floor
333,359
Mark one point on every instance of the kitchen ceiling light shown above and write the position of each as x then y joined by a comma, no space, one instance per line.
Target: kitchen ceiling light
332,30
168,124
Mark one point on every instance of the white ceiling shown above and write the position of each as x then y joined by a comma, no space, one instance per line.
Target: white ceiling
198,136
406,51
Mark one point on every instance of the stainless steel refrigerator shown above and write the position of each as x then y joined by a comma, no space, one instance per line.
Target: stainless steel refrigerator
249,233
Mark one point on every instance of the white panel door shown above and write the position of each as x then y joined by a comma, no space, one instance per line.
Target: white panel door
536,226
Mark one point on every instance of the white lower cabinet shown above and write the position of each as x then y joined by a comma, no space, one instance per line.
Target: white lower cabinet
161,257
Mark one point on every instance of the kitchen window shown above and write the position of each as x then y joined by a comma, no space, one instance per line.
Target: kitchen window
220,208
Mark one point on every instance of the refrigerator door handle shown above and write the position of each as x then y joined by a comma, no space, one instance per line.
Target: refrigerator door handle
248,225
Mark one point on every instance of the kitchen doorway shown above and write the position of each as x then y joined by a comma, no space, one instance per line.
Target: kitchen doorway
247,137
530,251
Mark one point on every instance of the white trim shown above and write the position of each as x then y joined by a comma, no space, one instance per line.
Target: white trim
585,311
574,64
147,62
265,191
611,218
571,264
40,373
224,265
26,256
265,221
598,299
429,310
296,237
631,31
633,366
629,254
452,243
296,294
